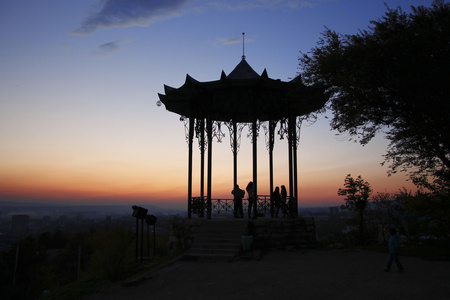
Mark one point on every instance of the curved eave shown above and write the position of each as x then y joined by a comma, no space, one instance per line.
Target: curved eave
243,99
243,103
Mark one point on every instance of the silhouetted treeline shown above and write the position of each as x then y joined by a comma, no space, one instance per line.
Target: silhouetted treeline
422,220
38,265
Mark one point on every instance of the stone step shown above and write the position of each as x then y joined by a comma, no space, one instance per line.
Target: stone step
217,238
205,251
209,257
218,235
223,228
218,245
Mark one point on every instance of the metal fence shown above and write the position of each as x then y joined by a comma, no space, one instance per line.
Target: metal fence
226,206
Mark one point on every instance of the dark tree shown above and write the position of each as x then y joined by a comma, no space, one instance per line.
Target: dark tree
393,78
356,192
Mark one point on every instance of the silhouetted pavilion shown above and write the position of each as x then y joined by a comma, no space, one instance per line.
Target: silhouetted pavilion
243,97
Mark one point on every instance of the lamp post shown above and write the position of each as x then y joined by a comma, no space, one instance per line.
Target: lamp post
151,220
139,213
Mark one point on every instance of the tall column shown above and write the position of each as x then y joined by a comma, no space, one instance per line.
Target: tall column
234,153
271,143
209,133
191,137
202,162
255,169
291,178
294,153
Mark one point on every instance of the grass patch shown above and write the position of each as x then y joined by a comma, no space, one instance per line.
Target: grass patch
95,283
76,290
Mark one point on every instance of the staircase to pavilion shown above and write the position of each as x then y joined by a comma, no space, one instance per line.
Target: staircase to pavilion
217,239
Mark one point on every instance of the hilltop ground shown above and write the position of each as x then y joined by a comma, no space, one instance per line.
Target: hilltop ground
313,274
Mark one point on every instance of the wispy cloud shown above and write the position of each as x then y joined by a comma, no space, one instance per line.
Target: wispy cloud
229,41
122,13
108,48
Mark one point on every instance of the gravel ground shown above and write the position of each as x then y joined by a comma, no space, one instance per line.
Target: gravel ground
314,274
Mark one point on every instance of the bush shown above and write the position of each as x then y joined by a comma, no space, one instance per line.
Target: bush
112,253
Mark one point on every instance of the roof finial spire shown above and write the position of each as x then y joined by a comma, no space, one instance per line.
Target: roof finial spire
243,49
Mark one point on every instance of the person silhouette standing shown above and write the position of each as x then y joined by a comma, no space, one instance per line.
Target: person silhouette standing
276,200
284,206
249,190
238,195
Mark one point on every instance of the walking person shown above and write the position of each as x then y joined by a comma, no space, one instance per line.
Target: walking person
394,251
237,199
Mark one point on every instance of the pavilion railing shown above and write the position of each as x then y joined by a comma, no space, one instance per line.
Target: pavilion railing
226,206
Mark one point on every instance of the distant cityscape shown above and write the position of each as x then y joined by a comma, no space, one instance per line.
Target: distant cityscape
19,220
26,219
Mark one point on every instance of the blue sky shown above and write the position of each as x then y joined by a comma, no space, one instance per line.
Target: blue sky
79,83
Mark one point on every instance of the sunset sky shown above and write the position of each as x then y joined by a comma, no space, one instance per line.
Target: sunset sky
79,82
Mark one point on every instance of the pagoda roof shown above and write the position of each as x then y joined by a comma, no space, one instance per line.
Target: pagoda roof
243,71
243,96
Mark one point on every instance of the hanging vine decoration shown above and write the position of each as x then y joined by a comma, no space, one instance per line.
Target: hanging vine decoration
232,133
186,128
217,131
265,127
269,133
283,128
198,131
240,128
250,130
299,127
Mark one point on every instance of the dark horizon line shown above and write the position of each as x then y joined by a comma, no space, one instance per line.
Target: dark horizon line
139,203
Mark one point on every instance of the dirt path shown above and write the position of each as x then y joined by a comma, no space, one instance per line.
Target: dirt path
317,274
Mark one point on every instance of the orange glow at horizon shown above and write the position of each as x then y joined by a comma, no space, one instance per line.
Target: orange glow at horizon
109,190
160,177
